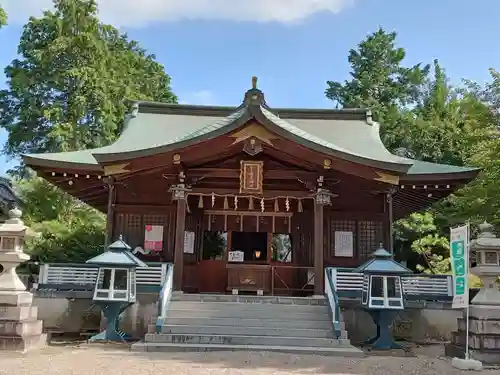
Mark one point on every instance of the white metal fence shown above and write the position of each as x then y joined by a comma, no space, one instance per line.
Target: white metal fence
439,285
84,275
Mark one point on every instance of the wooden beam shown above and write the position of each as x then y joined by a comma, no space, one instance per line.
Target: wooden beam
235,173
247,213
267,194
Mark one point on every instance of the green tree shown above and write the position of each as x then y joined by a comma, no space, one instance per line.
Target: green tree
445,124
68,231
66,90
419,235
3,17
380,82
480,200
424,117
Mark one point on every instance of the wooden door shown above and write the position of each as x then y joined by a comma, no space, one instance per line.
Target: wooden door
213,272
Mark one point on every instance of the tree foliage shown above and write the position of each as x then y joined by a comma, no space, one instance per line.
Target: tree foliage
3,17
65,91
424,117
69,231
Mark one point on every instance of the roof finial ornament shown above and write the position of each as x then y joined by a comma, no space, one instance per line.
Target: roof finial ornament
254,82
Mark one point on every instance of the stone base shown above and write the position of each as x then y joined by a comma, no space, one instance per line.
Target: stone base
18,313
21,329
14,298
484,335
466,364
23,344
489,358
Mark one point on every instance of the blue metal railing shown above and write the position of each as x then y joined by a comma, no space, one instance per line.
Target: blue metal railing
333,301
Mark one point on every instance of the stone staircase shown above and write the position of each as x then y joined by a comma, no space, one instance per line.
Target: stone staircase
198,322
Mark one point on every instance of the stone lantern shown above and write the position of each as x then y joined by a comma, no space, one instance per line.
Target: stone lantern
19,327
484,310
382,294
487,249
115,289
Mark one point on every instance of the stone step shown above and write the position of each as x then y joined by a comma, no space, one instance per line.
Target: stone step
251,321
274,300
236,307
244,330
291,314
350,351
244,340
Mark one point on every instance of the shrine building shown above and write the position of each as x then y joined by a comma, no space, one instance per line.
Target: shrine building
250,198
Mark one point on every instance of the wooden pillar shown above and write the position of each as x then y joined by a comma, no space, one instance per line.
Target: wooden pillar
108,239
318,250
390,220
180,227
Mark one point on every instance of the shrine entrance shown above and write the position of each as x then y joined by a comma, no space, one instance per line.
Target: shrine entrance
250,252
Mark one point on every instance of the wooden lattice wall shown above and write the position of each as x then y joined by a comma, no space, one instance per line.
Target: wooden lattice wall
132,225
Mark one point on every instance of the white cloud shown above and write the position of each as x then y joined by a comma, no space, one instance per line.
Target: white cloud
137,13
202,97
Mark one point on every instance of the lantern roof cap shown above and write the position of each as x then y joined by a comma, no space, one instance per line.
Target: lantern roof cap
486,239
117,255
382,263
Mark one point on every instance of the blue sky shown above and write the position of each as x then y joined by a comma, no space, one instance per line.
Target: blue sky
212,48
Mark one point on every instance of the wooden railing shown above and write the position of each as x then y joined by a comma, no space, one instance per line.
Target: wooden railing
64,276
289,279
348,284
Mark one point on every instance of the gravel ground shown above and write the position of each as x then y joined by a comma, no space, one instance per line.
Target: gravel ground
100,359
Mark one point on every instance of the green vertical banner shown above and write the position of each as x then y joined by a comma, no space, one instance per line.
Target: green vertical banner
459,258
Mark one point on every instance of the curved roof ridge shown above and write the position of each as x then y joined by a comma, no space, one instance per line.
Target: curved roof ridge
223,111
324,143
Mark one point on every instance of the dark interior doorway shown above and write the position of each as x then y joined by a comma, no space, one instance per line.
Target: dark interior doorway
252,244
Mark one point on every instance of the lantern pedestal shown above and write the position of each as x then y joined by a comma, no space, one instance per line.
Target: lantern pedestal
383,339
490,294
20,330
112,312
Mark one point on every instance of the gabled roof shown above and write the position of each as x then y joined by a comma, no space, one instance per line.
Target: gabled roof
153,128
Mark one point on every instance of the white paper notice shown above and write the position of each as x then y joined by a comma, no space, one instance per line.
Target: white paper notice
236,256
188,242
344,244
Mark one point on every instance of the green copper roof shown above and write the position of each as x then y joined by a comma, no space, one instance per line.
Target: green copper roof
157,128
424,167
382,263
117,255
357,138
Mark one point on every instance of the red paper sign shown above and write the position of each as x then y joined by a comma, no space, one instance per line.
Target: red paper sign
153,238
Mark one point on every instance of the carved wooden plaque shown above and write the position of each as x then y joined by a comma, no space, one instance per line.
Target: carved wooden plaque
251,176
